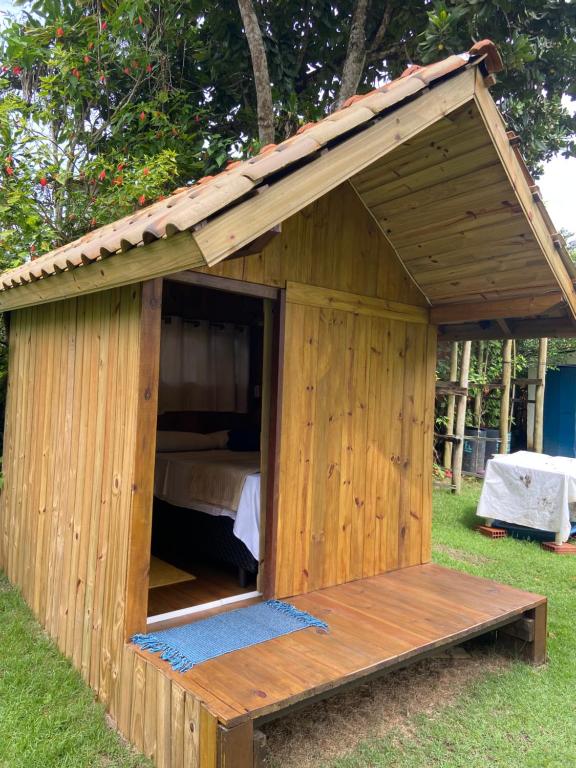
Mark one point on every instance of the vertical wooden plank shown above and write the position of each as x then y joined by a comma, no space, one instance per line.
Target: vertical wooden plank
143,471
359,389
178,724
151,712
94,492
164,722
126,682
428,444
49,321
208,752
393,442
191,732
105,544
9,427
137,714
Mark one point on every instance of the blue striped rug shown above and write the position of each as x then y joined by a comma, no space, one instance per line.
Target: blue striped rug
191,644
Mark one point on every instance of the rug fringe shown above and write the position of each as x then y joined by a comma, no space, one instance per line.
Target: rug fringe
290,610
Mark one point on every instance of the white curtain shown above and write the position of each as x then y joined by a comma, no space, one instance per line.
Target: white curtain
203,366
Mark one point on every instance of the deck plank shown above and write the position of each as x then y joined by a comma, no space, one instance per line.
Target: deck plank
374,623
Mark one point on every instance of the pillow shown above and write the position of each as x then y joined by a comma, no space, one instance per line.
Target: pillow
244,439
190,441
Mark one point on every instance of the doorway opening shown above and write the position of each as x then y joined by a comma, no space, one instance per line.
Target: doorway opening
211,477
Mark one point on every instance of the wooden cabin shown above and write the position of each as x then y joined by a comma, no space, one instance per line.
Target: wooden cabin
292,302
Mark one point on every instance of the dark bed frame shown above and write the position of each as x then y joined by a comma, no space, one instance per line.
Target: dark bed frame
185,536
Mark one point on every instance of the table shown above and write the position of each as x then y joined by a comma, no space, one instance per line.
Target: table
531,489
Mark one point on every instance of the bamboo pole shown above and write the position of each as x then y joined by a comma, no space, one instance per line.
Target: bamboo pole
451,405
461,420
539,399
505,394
478,395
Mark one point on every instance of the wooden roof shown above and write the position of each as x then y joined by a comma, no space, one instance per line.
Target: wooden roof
428,155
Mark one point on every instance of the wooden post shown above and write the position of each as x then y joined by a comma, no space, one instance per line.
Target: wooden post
539,399
505,393
461,420
478,395
451,405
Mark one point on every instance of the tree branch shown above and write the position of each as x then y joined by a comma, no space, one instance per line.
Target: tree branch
260,68
355,54
382,28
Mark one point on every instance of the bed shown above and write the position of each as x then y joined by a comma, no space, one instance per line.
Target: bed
211,497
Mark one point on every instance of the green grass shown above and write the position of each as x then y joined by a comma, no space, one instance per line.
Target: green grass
48,717
523,717
519,718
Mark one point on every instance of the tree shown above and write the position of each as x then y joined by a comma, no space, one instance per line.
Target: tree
105,107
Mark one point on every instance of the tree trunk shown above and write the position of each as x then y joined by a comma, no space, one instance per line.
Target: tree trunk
260,68
479,390
461,420
539,404
505,394
355,54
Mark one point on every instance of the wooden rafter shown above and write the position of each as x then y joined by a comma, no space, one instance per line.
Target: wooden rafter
524,306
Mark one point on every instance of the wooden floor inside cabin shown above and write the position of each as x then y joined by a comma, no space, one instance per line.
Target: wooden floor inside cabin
374,624
211,582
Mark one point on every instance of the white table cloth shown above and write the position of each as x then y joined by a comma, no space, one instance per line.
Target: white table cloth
531,489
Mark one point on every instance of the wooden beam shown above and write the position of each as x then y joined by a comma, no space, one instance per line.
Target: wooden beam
451,405
143,263
327,298
557,328
233,229
461,420
143,475
523,306
206,280
534,219
505,394
450,388
539,403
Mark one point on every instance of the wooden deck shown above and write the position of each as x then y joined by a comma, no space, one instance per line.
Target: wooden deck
375,624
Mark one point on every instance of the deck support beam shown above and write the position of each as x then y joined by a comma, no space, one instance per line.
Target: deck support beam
236,746
527,636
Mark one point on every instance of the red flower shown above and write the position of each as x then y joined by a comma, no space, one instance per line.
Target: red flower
140,20
43,181
90,46
142,116
104,25
118,181
102,175
9,171
102,78
120,166
59,32
142,199
76,72
126,70
16,70
4,69
148,67
145,171
92,222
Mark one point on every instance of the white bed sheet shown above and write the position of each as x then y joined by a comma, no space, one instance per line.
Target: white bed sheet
530,489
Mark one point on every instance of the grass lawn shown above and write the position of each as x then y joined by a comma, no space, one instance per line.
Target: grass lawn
48,717
521,717
510,715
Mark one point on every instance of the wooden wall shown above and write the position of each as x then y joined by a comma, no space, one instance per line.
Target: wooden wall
71,492
333,243
355,483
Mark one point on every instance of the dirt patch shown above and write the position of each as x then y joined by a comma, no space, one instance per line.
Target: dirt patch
333,728
460,554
